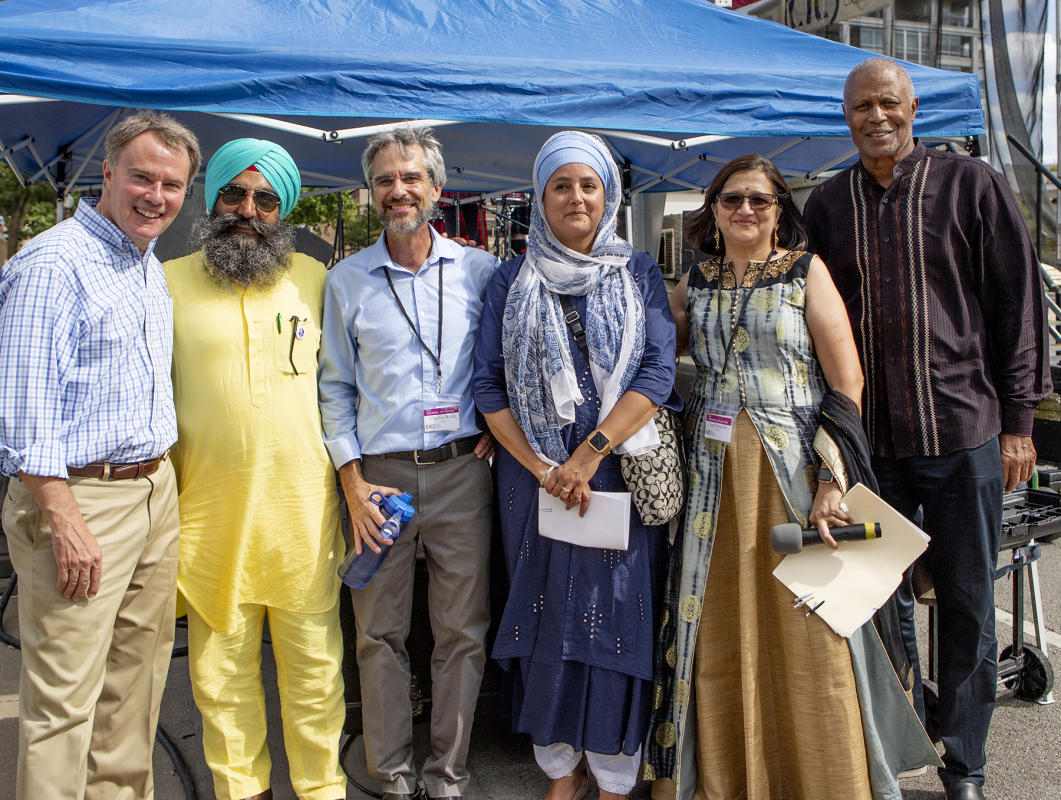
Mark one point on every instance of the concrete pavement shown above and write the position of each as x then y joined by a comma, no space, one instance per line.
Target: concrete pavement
1024,752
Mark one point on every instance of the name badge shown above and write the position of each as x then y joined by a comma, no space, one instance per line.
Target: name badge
718,424
445,418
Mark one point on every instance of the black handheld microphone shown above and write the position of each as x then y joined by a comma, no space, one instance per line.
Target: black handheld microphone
788,538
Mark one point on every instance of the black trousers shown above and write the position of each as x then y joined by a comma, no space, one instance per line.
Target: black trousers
959,499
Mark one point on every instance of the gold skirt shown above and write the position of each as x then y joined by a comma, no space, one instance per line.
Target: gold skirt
777,712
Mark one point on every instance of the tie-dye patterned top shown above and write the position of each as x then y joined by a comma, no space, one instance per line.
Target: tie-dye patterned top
772,374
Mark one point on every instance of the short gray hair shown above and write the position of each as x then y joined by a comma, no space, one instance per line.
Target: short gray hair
403,138
171,133
880,63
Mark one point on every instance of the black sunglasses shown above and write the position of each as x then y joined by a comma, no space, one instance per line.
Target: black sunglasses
757,201
233,195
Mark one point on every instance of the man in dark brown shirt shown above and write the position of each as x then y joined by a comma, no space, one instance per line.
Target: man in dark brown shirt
932,257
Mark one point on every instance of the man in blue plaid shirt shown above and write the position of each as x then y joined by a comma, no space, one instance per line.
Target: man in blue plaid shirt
86,418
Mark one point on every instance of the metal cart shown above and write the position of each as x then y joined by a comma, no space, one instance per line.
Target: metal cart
1029,516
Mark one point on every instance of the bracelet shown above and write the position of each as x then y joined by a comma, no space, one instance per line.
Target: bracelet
541,481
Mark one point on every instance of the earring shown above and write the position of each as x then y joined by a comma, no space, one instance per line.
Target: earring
773,239
716,238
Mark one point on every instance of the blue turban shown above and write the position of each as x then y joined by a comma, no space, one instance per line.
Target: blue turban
270,159
572,147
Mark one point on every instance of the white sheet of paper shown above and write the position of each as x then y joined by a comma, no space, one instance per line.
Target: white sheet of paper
857,579
606,524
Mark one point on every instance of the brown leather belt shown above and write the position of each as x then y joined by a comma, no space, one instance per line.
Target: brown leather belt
106,471
458,447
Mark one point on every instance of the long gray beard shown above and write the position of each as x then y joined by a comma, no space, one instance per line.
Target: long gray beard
423,215
236,258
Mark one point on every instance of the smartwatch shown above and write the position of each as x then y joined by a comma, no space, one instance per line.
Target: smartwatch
599,442
825,475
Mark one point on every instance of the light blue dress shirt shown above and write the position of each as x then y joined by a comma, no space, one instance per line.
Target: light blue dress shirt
376,379
86,345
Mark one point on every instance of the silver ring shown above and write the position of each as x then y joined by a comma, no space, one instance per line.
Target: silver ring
843,507
566,490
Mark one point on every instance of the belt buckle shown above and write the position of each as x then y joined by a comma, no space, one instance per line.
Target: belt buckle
419,463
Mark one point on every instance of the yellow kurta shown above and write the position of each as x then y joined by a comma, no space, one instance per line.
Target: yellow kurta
258,503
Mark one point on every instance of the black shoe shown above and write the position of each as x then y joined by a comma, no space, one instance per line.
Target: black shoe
964,790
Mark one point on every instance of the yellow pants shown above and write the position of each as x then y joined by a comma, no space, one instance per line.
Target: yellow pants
227,685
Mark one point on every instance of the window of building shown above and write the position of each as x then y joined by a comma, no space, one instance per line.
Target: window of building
867,38
912,10
911,44
956,45
957,12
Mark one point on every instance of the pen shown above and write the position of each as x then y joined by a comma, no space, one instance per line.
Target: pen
814,608
798,601
278,322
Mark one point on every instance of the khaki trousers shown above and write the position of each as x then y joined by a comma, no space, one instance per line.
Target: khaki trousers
93,671
453,519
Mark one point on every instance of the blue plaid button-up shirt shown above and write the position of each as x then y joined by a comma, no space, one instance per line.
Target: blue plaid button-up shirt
86,344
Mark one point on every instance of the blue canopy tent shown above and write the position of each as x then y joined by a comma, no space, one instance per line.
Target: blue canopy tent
677,87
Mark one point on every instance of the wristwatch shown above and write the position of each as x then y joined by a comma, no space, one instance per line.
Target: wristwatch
825,475
599,442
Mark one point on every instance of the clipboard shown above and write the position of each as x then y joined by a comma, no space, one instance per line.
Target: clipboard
845,587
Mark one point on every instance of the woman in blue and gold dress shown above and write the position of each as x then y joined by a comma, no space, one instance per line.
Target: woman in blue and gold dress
754,699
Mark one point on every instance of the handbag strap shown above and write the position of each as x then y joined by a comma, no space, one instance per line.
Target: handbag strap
574,322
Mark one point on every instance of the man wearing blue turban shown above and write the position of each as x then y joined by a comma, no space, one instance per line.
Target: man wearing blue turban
260,533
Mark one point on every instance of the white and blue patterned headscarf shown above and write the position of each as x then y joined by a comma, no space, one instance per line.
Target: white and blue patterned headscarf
542,386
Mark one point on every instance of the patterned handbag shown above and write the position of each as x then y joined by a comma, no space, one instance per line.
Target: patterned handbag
656,479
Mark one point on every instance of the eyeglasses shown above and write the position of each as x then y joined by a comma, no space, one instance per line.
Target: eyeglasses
412,178
757,201
233,195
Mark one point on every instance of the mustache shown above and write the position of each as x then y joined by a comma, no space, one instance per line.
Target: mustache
224,223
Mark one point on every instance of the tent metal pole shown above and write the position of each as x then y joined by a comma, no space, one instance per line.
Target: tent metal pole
830,164
8,99
696,141
787,146
341,183
5,153
643,138
275,124
667,176
1057,120
353,187
372,130
477,174
43,168
84,162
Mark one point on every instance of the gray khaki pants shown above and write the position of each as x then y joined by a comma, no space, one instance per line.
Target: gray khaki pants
453,520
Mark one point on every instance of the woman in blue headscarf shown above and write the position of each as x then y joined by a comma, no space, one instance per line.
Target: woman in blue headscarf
577,629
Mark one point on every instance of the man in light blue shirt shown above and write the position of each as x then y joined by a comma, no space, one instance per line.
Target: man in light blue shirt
400,321
86,418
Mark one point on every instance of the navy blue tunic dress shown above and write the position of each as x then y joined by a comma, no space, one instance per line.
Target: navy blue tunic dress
578,627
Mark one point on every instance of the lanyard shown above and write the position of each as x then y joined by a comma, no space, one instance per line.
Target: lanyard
436,358
740,316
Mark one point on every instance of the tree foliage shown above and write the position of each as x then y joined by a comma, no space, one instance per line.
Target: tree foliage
320,213
27,210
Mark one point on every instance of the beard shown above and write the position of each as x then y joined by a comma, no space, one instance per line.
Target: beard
407,226
233,257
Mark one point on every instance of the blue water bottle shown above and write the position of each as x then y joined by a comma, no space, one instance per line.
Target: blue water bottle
357,570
